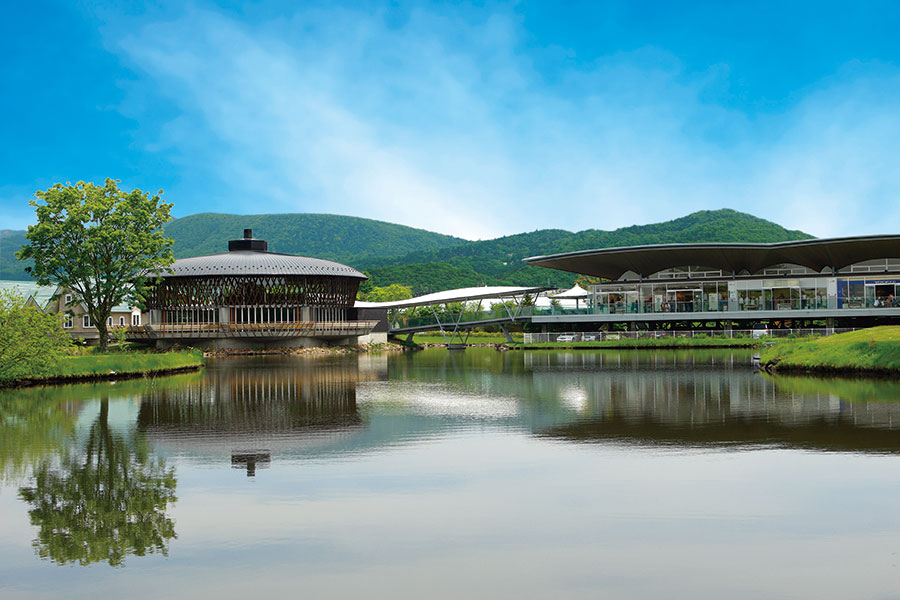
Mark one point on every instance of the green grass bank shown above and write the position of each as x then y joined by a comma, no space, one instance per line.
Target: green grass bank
119,365
653,343
698,341
875,350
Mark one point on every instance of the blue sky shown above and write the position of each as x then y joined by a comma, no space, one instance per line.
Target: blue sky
474,119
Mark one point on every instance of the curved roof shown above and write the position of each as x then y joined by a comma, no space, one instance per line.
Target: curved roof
250,262
457,295
816,254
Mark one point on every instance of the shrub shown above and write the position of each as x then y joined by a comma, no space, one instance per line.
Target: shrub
32,343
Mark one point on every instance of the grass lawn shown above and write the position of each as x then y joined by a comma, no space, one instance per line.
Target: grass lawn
475,338
122,363
876,349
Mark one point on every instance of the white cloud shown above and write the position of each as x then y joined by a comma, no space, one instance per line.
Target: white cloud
447,125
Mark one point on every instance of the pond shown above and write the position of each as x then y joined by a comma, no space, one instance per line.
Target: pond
441,474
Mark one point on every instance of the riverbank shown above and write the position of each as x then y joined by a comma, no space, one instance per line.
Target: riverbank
666,343
122,365
867,351
314,350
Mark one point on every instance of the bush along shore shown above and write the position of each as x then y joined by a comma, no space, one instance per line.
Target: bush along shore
112,366
867,351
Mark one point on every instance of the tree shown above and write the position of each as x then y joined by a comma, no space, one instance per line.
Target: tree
395,291
99,242
103,503
365,287
586,281
32,342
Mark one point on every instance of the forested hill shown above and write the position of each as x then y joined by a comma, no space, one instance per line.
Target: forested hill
429,261
499,261
335,237
10,242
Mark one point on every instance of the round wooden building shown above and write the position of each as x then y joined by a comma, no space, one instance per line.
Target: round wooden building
249,297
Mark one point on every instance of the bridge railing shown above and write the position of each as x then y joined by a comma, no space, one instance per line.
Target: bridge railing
449,320
598,336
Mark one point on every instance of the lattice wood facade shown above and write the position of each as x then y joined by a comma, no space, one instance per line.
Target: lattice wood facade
261,298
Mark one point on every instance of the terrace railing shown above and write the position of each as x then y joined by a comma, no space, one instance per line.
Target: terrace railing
281,329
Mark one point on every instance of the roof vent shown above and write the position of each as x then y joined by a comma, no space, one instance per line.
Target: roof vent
248,242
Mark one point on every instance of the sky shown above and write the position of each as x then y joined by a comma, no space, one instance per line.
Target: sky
473,119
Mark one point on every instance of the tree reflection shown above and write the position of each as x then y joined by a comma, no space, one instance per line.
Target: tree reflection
34,424
103,503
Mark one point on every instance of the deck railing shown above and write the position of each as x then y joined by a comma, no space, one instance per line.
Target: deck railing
285,329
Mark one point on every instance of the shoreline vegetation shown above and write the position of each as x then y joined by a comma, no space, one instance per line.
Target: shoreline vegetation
497,339
113,366
872,351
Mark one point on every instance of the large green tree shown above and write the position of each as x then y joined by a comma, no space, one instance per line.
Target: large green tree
101,243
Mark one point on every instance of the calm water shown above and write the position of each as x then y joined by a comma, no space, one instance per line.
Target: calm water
447,475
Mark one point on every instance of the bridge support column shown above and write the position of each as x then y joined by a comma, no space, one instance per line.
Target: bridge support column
506,334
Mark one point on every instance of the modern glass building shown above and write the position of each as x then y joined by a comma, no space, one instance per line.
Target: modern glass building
855,280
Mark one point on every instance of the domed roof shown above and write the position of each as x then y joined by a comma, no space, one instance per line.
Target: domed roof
248,256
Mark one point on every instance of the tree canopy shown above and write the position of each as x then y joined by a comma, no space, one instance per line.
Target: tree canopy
99,242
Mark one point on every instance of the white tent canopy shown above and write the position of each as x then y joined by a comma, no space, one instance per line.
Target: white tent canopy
575,292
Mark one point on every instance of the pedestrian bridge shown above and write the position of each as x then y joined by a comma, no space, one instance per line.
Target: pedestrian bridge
455,312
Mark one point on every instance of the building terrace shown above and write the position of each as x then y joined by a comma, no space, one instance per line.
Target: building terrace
854,279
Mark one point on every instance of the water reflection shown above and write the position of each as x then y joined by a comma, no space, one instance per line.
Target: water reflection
102,501
248,412
715,398
96,465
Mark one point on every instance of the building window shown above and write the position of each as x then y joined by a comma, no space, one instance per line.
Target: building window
68,299
86,321
135,319
109,322
69,322
121,321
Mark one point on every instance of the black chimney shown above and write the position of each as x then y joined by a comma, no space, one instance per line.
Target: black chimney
248,243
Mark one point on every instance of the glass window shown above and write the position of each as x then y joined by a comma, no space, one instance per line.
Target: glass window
86,321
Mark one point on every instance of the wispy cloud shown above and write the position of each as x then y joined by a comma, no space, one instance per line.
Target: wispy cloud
447,124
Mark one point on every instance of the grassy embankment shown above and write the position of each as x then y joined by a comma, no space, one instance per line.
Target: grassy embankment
873,350
476,337
114,365
666,342
660,343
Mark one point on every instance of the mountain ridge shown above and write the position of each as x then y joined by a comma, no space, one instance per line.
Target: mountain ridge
428,261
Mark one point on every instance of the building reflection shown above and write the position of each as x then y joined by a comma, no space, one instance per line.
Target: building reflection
714,400
250,411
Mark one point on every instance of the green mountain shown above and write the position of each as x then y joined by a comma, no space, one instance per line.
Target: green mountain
10,268
350,240
499,261
427,261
